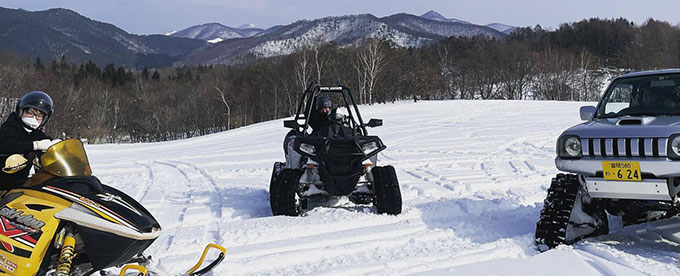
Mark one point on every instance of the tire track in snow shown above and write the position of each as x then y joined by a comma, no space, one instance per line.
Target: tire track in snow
448,186
216,198
365,240
327,241
262,258
206,181
144,190
404,265
456,177
167,199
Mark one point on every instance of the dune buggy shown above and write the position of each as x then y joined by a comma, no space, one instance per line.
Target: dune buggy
339,159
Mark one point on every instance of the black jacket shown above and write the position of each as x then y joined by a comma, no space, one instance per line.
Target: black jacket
317,120
15,139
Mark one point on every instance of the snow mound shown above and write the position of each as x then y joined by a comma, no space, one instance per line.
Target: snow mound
216,40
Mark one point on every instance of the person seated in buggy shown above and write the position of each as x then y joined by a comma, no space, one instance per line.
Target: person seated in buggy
336,126
317,120
319,117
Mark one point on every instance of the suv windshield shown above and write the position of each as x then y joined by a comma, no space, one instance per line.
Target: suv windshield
655,95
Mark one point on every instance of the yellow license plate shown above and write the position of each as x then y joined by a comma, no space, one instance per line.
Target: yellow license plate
622,171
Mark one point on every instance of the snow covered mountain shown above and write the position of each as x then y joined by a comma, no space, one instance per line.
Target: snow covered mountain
507,29
472,188
247,26
217,32
403,29
52,33
433,15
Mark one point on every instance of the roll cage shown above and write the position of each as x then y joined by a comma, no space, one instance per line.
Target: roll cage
306,106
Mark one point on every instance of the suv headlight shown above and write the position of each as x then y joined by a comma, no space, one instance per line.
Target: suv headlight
674,146
308,149
570,147
369,147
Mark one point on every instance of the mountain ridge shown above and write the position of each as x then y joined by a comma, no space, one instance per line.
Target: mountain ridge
57,32
53,33
405,30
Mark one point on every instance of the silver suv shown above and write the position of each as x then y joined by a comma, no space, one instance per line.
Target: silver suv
624,160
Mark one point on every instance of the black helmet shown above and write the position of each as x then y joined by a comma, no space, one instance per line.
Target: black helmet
38,100
323,101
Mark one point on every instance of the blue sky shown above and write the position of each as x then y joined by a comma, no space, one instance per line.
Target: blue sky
161,16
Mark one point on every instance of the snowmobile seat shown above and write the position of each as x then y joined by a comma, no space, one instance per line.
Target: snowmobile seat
79,185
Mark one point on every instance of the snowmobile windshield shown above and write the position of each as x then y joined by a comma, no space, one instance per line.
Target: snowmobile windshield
66,158
655,95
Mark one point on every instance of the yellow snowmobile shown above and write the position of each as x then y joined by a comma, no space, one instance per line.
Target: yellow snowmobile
64,221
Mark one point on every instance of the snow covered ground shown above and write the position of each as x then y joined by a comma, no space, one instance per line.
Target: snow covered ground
473,176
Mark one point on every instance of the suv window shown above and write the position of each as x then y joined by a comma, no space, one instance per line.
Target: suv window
655,95
619,99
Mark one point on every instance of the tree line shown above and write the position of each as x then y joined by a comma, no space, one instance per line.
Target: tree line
113,104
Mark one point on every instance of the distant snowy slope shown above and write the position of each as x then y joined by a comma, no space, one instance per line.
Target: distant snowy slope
212,31
247,26
343,29
473,176
433,15
404,30
504,28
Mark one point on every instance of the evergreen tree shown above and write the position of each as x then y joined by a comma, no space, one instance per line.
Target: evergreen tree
109,74
145,74
54,67
38,64
88,70
122,76
155,75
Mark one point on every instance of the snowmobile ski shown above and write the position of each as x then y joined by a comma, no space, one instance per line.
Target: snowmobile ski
193,271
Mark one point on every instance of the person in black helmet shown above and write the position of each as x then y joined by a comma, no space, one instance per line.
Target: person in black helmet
22,133
319,116
317,120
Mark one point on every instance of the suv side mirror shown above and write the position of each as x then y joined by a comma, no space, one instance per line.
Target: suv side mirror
374,123
290,124
587,112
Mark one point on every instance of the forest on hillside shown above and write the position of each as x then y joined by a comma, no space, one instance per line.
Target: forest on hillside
105,103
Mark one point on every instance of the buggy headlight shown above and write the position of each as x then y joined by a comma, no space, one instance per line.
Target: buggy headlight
308,149
369,147
674,146
570,147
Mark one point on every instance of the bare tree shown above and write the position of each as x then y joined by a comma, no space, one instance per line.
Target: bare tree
303,68
585,62
101,98
226,104
372,61
515,69
320,60
447,70
357,64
